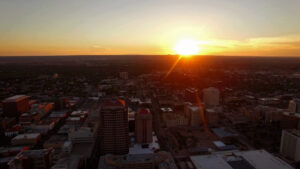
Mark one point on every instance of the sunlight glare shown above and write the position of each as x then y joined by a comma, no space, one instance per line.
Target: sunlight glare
187,47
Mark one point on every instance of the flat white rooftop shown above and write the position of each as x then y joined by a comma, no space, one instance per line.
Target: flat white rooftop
253,159
27,136
138,149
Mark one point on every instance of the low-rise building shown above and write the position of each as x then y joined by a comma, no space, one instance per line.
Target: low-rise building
15,105
32,159
253,159
68,162
160,160
143,148
26,139
81,135
173,120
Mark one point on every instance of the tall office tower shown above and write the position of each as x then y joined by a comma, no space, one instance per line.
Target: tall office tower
143,126
211,96
15,105
114,127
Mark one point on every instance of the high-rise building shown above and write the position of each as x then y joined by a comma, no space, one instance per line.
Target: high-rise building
114,126
290,144
143,126
15,105
211,96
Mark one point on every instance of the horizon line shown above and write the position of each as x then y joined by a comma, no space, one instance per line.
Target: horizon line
148,55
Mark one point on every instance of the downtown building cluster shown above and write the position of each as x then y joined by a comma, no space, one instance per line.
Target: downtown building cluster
147,122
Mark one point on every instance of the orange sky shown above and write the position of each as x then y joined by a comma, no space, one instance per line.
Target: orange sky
92,27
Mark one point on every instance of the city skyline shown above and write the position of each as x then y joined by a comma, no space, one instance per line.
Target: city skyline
247,28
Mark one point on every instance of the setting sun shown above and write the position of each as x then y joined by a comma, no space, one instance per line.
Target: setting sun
187,47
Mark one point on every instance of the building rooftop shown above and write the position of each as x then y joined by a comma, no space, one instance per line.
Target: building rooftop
295,132
222,132
162,160
6,159
27,136
113,103
166,109
211,89
148,148
15,98
56,138
297,101
143,111
254,159
191,89
194,108
72,161
297,115
83,149
39,152
10,149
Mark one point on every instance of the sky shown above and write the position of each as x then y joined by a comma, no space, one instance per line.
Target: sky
95,27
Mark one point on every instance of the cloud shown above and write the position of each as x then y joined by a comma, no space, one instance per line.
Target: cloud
275,46
99,49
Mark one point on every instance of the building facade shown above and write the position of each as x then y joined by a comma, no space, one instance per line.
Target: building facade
143,126
32,159
194,114
211,96
15,105
114,126
290,144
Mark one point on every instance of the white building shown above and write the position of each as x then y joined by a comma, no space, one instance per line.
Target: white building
290,144
211,96
194,113
252,159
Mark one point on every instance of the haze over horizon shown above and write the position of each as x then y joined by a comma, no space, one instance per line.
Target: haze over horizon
91,27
